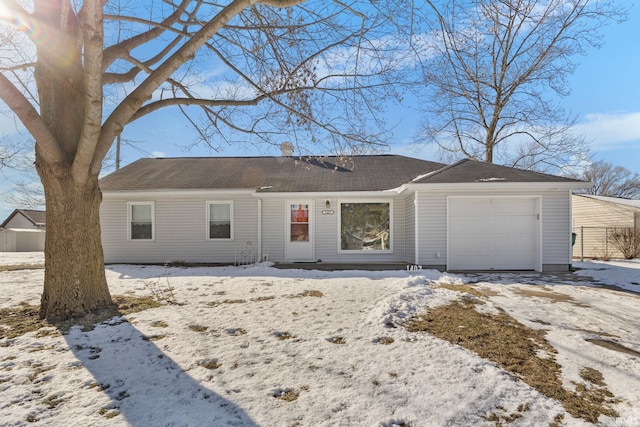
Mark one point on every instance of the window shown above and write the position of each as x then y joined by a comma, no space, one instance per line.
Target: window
365,226
141,220
220,220
299,219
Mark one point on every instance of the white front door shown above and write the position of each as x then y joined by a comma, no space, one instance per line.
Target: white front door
299,231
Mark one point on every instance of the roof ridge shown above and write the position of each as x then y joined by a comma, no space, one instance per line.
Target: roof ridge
439,171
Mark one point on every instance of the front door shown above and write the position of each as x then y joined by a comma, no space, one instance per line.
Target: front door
299,231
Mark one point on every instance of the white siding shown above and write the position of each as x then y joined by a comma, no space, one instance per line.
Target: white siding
326,229
180,231
556,230
21,240
432,229
410,228
273,222
556,227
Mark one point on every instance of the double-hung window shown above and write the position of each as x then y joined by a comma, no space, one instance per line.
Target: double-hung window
141,221
220,220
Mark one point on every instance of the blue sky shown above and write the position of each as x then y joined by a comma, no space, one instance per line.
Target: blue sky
605,98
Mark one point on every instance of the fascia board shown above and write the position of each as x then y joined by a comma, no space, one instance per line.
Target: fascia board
334,194
171,193
498,186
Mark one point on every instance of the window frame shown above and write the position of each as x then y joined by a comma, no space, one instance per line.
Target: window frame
130,206
208,221
365,251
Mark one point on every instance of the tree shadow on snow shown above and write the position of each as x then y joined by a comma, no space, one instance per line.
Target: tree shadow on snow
146,386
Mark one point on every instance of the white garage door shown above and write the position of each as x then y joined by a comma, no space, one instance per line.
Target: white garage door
492,234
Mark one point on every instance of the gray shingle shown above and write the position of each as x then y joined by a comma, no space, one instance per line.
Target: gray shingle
307,174
470,171
270,174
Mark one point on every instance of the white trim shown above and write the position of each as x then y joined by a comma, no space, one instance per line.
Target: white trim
366,252
208,203
384,194
130,205
477,187
571,222
157,194
260,230
416,233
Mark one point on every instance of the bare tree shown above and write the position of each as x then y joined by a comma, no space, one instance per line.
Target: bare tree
609,180
490,67
283,67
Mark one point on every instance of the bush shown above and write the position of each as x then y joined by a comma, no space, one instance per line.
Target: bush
626,240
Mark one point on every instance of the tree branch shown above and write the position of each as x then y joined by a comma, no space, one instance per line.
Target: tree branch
92,31
50,149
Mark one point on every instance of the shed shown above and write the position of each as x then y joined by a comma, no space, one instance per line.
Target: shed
23,231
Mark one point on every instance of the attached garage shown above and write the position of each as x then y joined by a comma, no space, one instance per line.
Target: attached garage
493,233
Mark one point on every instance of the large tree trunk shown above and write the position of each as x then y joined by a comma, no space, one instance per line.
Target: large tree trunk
74,282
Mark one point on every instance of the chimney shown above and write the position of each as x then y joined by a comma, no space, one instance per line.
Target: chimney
286,148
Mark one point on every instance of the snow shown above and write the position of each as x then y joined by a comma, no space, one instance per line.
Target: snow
21,258
267,334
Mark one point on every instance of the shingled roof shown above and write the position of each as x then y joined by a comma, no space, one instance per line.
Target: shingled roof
470,171
270,174
37,218
307,174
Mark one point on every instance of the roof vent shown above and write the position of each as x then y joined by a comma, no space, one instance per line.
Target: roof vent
286,148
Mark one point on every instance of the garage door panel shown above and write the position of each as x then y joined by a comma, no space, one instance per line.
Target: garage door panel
470,208
467,227
521,223
508,207
492,233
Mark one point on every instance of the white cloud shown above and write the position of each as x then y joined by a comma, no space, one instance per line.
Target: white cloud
158,154
609,131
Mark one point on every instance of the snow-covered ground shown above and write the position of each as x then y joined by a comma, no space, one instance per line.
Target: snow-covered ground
240,338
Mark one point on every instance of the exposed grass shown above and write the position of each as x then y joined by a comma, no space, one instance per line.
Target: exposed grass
501,416
287,394
517,349
337,340
227,301
108,414
21,267
549,295
129,304
283,335
159,324
468,289
384,340
611,345
198,328
307,293
210,364
264,298
19,320
236,331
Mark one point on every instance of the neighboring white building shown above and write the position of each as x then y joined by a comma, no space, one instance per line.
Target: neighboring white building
359,210
23,231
